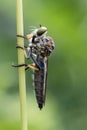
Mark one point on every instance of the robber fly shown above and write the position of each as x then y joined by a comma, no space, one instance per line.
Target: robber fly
39,48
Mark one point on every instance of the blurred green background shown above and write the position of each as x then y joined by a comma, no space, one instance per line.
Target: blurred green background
66,104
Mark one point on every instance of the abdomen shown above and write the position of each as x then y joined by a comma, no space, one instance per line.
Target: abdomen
40,81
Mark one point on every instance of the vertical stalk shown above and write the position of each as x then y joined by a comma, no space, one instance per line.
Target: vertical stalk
21,70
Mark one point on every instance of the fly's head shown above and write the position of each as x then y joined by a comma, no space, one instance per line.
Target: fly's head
37,34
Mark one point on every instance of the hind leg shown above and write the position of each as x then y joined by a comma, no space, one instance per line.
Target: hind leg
29,66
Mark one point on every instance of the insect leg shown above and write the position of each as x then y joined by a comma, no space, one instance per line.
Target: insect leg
35,61
29,52
26,36
29,66
21,36
20,65
23,48
28,48
32,66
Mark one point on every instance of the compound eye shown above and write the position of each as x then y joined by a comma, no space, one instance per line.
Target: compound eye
41,31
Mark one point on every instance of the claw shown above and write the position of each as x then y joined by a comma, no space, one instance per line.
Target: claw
17,46
20,65
21,36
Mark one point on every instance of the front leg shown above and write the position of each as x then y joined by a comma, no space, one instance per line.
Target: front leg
21,36
25,36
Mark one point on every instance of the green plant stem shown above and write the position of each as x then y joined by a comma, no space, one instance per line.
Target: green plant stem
21,70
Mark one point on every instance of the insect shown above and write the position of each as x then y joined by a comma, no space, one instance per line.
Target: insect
39,48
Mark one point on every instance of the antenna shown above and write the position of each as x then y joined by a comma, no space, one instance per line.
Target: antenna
40,25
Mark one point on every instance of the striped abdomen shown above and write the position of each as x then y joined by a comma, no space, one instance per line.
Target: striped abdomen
40,81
